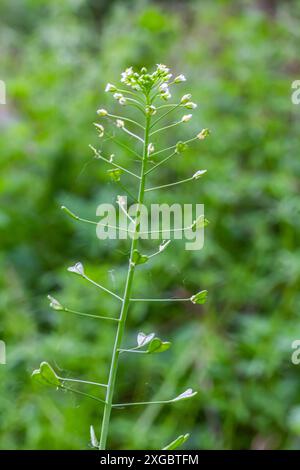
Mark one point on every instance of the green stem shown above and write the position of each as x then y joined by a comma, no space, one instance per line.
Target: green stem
126,299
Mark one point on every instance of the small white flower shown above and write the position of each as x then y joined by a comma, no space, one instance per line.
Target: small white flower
55,304
186,117
198,174
77,269
150,148
180,78
102,112
110,87
120,123
120,98
99,128
186,98
121,201
111,157
128,72
162,68
190,105
164,87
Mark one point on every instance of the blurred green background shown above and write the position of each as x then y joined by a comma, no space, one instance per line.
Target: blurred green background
240,59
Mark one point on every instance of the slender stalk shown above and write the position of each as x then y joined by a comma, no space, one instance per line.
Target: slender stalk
99,317
171,184
126,299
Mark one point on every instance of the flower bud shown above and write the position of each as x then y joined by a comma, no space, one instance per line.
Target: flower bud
190,105
166,95
77,269
150,110
102,112
110,87
186,117
198,174
150,148
120,123
55,304
203,134
186,98
100,129
179,78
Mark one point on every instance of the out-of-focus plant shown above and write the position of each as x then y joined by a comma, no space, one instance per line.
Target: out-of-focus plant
149,94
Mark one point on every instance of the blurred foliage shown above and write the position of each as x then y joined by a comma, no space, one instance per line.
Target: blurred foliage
240,59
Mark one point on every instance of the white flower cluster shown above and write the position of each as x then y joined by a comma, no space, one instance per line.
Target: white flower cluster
144,81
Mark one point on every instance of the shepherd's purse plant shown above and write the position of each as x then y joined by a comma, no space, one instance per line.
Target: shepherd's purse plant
149,94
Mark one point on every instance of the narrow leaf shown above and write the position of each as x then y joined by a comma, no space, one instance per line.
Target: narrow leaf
177,442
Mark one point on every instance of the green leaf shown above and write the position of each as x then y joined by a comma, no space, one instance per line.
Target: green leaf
158,346
200,297
115,174
138,258
46,375
177,442
155,345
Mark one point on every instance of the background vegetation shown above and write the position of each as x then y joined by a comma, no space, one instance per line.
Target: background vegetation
240,59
